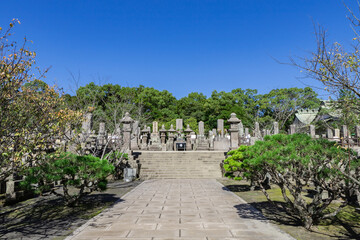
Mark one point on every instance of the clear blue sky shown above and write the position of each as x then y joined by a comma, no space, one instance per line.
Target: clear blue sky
176,45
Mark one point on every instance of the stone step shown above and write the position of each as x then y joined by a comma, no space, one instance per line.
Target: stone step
168,165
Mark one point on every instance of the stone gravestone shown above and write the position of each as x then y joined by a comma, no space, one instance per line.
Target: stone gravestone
312,131
87,123
329,133
135,136
102,133
155,138
155,127
257,130
202,143
179,124
357,133
241,129
220,127
292,129
211,140
201,128
276,128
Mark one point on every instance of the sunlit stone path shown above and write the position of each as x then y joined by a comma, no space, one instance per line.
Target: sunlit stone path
179,209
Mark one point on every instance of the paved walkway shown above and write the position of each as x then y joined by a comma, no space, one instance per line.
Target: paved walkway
179,209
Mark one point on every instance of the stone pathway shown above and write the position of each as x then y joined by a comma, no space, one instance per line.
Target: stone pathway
179,209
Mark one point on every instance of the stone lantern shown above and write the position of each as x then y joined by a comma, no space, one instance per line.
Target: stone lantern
234,131
171,138
188,137
144,141
162,134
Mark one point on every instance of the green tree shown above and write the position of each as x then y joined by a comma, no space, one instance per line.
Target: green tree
84,173
280,105
32,114
295,162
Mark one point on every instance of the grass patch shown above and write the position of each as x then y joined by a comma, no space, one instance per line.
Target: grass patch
345,226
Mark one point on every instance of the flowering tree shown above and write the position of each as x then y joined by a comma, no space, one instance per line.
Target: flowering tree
32,114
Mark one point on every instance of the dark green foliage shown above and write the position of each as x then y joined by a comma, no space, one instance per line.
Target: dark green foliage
297,163
119,161
78,175
146,104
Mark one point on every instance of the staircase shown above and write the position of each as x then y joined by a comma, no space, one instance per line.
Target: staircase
191,164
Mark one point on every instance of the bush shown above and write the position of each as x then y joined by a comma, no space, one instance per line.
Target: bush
83,174
120,161
297,163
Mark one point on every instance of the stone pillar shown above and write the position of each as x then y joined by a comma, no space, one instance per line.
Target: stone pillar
344,132
220,127
257,132
241,129
329,133
155,128
337,133
357,133
179,124
135,134
211,139
188,138
246,132
276,128
127,121
87,123
234,131
312,131
102,133
10,189
292,129
201,129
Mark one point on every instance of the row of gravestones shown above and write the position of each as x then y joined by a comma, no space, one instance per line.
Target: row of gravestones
132,137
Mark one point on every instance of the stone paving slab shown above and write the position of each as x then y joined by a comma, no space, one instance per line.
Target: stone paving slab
179,209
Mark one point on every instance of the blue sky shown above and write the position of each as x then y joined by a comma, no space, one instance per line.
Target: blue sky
176,45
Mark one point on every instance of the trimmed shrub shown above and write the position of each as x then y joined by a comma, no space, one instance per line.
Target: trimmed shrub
297,163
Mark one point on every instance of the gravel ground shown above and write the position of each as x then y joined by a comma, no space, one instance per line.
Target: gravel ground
46,217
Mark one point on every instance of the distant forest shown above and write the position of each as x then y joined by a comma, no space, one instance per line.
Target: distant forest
109,102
